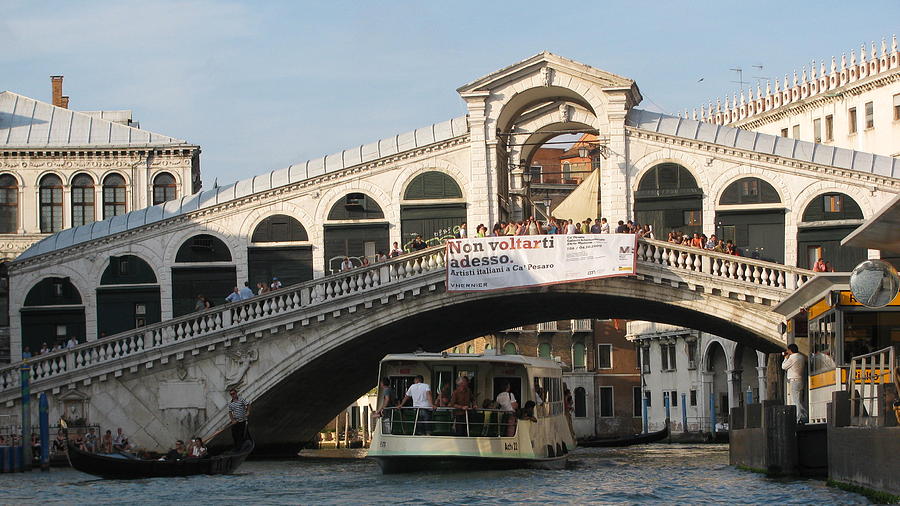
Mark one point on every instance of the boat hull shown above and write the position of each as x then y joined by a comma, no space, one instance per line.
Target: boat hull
127,469
393,465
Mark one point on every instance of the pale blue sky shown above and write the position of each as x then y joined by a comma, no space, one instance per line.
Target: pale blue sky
261,85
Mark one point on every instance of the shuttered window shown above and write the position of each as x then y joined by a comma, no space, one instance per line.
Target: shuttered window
432,185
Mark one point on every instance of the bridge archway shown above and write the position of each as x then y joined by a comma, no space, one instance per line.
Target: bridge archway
203,266
825,221
281,394
750,213
279,247
355,227
53,312
431,206
128,296
668,198
717,368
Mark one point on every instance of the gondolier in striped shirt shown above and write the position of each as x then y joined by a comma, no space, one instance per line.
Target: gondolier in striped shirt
239,412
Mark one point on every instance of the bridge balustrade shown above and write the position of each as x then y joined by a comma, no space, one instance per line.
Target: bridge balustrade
285,300
653,258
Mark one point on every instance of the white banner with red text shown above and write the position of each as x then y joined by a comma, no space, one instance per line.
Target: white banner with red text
494,263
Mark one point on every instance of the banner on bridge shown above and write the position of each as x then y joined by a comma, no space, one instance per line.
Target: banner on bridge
494,263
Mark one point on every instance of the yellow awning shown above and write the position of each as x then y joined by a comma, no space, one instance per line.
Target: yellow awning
583,202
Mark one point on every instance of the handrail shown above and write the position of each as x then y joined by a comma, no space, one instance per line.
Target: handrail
158,335
494,427
873,368
307,294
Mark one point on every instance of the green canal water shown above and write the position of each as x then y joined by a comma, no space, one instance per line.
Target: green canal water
659,473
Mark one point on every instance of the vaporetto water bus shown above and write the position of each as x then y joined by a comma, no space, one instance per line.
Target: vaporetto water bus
411,439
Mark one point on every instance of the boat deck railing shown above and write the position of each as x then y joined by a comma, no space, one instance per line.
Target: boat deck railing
866,380
448,422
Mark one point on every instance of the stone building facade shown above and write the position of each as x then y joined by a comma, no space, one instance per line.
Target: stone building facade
61,168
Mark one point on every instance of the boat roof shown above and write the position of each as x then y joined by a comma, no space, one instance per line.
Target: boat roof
488,356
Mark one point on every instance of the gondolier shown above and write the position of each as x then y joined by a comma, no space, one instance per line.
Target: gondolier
238,412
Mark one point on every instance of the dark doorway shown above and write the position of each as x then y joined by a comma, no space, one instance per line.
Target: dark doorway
128,296
355,241
215,283
668,199
280,249
52,313
757,234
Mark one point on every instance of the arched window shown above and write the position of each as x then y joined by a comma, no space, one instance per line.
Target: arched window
82,200
455,349
432,185
127,270
827,220
113,196
203,248
279,228
52,313
356,206
544,350
489,346
51,204
668,198
470,349
509,348
580,403
668,179
9,204
164,188
578,356
832,206
749,190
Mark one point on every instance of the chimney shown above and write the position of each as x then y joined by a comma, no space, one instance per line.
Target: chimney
56,83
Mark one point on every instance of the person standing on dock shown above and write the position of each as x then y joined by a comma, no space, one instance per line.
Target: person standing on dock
795,365
238,412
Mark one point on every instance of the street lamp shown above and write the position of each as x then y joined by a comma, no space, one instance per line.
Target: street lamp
583,151
526,183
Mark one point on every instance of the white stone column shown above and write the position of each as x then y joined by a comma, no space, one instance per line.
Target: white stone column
482,192
761,379
706,388
615,188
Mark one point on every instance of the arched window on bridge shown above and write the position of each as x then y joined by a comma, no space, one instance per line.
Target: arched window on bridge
279,248
668,198
52,313
51,197
9,204
544,350
128,296
113,196
83,200
355,228
432,207
750,214
164,188
203,266
510,348
579,357
580,403
826,220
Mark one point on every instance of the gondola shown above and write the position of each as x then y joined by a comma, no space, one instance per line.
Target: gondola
124,467
636,439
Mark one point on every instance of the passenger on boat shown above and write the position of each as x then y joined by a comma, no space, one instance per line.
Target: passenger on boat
443,399
508,403
59,444
90,441
538,393
569,406
420,393
120,442
461,401
106,442
196,450
388,396
176,453
527,412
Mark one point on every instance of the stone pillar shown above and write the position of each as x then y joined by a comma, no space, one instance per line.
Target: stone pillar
774,378
615,187
734,388
761,379
483,192
707,388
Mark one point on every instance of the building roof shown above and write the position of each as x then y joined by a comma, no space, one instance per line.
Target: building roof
764,143
487,356
33,124
882,231
437,132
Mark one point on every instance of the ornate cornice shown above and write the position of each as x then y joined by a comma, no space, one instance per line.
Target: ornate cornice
774,162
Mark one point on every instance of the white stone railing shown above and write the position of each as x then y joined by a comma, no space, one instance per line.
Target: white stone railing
729,268
694,265
164,334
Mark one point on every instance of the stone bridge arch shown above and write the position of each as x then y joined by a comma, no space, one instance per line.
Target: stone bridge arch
321,367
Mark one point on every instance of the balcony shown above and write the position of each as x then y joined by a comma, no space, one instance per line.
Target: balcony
547,327
581,325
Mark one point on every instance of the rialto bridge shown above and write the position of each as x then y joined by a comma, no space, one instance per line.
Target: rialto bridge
127,285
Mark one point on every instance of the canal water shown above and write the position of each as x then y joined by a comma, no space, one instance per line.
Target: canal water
656,473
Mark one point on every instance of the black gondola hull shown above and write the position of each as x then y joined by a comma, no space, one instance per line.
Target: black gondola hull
128,469
637,439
